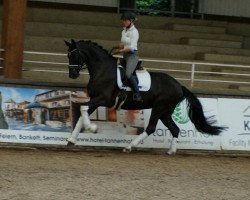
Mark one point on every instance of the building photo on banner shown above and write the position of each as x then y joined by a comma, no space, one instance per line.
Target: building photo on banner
44,116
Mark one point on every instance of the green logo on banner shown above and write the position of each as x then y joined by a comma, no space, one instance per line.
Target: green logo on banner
180,114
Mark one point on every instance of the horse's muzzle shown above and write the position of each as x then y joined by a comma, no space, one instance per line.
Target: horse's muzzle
73,73
73,76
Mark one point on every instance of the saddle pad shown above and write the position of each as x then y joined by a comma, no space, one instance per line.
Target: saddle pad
143,77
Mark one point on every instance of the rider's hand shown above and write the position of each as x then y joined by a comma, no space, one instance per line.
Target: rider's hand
116,51
120,46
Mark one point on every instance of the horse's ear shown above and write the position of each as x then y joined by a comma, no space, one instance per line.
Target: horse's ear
67,43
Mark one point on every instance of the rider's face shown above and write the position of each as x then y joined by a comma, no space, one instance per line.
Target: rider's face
126,22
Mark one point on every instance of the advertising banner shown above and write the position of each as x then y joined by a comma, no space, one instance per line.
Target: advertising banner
235,114
43,116
189,137
48,116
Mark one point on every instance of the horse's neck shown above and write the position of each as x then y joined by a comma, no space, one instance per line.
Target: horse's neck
102,70
101,78
101,66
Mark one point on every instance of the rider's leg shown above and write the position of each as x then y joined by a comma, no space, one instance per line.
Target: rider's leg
132,60
135,88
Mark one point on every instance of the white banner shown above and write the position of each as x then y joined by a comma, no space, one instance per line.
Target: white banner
235,113
38,116
119,134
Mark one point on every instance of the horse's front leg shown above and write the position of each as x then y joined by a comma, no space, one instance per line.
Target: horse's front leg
73,136
84,121
87,125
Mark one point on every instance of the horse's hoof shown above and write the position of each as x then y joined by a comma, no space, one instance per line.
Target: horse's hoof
127,150
93,128
70,144
171,153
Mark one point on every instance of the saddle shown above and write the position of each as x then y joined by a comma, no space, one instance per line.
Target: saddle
142,77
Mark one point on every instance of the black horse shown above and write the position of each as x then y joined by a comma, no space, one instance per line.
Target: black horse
164,94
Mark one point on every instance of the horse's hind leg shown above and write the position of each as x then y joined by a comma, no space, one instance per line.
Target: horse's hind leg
155,115
174,129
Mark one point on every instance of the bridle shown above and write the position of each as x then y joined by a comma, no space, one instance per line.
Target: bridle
79,66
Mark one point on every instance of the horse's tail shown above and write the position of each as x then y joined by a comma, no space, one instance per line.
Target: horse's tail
196,115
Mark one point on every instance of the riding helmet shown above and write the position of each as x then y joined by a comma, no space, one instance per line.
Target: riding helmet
128,15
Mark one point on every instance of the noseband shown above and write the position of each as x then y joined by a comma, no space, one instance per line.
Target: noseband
79,66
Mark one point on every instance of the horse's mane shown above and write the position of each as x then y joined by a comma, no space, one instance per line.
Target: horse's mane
89,42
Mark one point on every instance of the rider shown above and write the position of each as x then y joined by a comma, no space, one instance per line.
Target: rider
128,47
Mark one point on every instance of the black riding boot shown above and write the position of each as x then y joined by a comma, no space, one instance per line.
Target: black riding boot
135,88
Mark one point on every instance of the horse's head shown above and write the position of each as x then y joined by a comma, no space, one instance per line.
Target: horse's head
77,59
